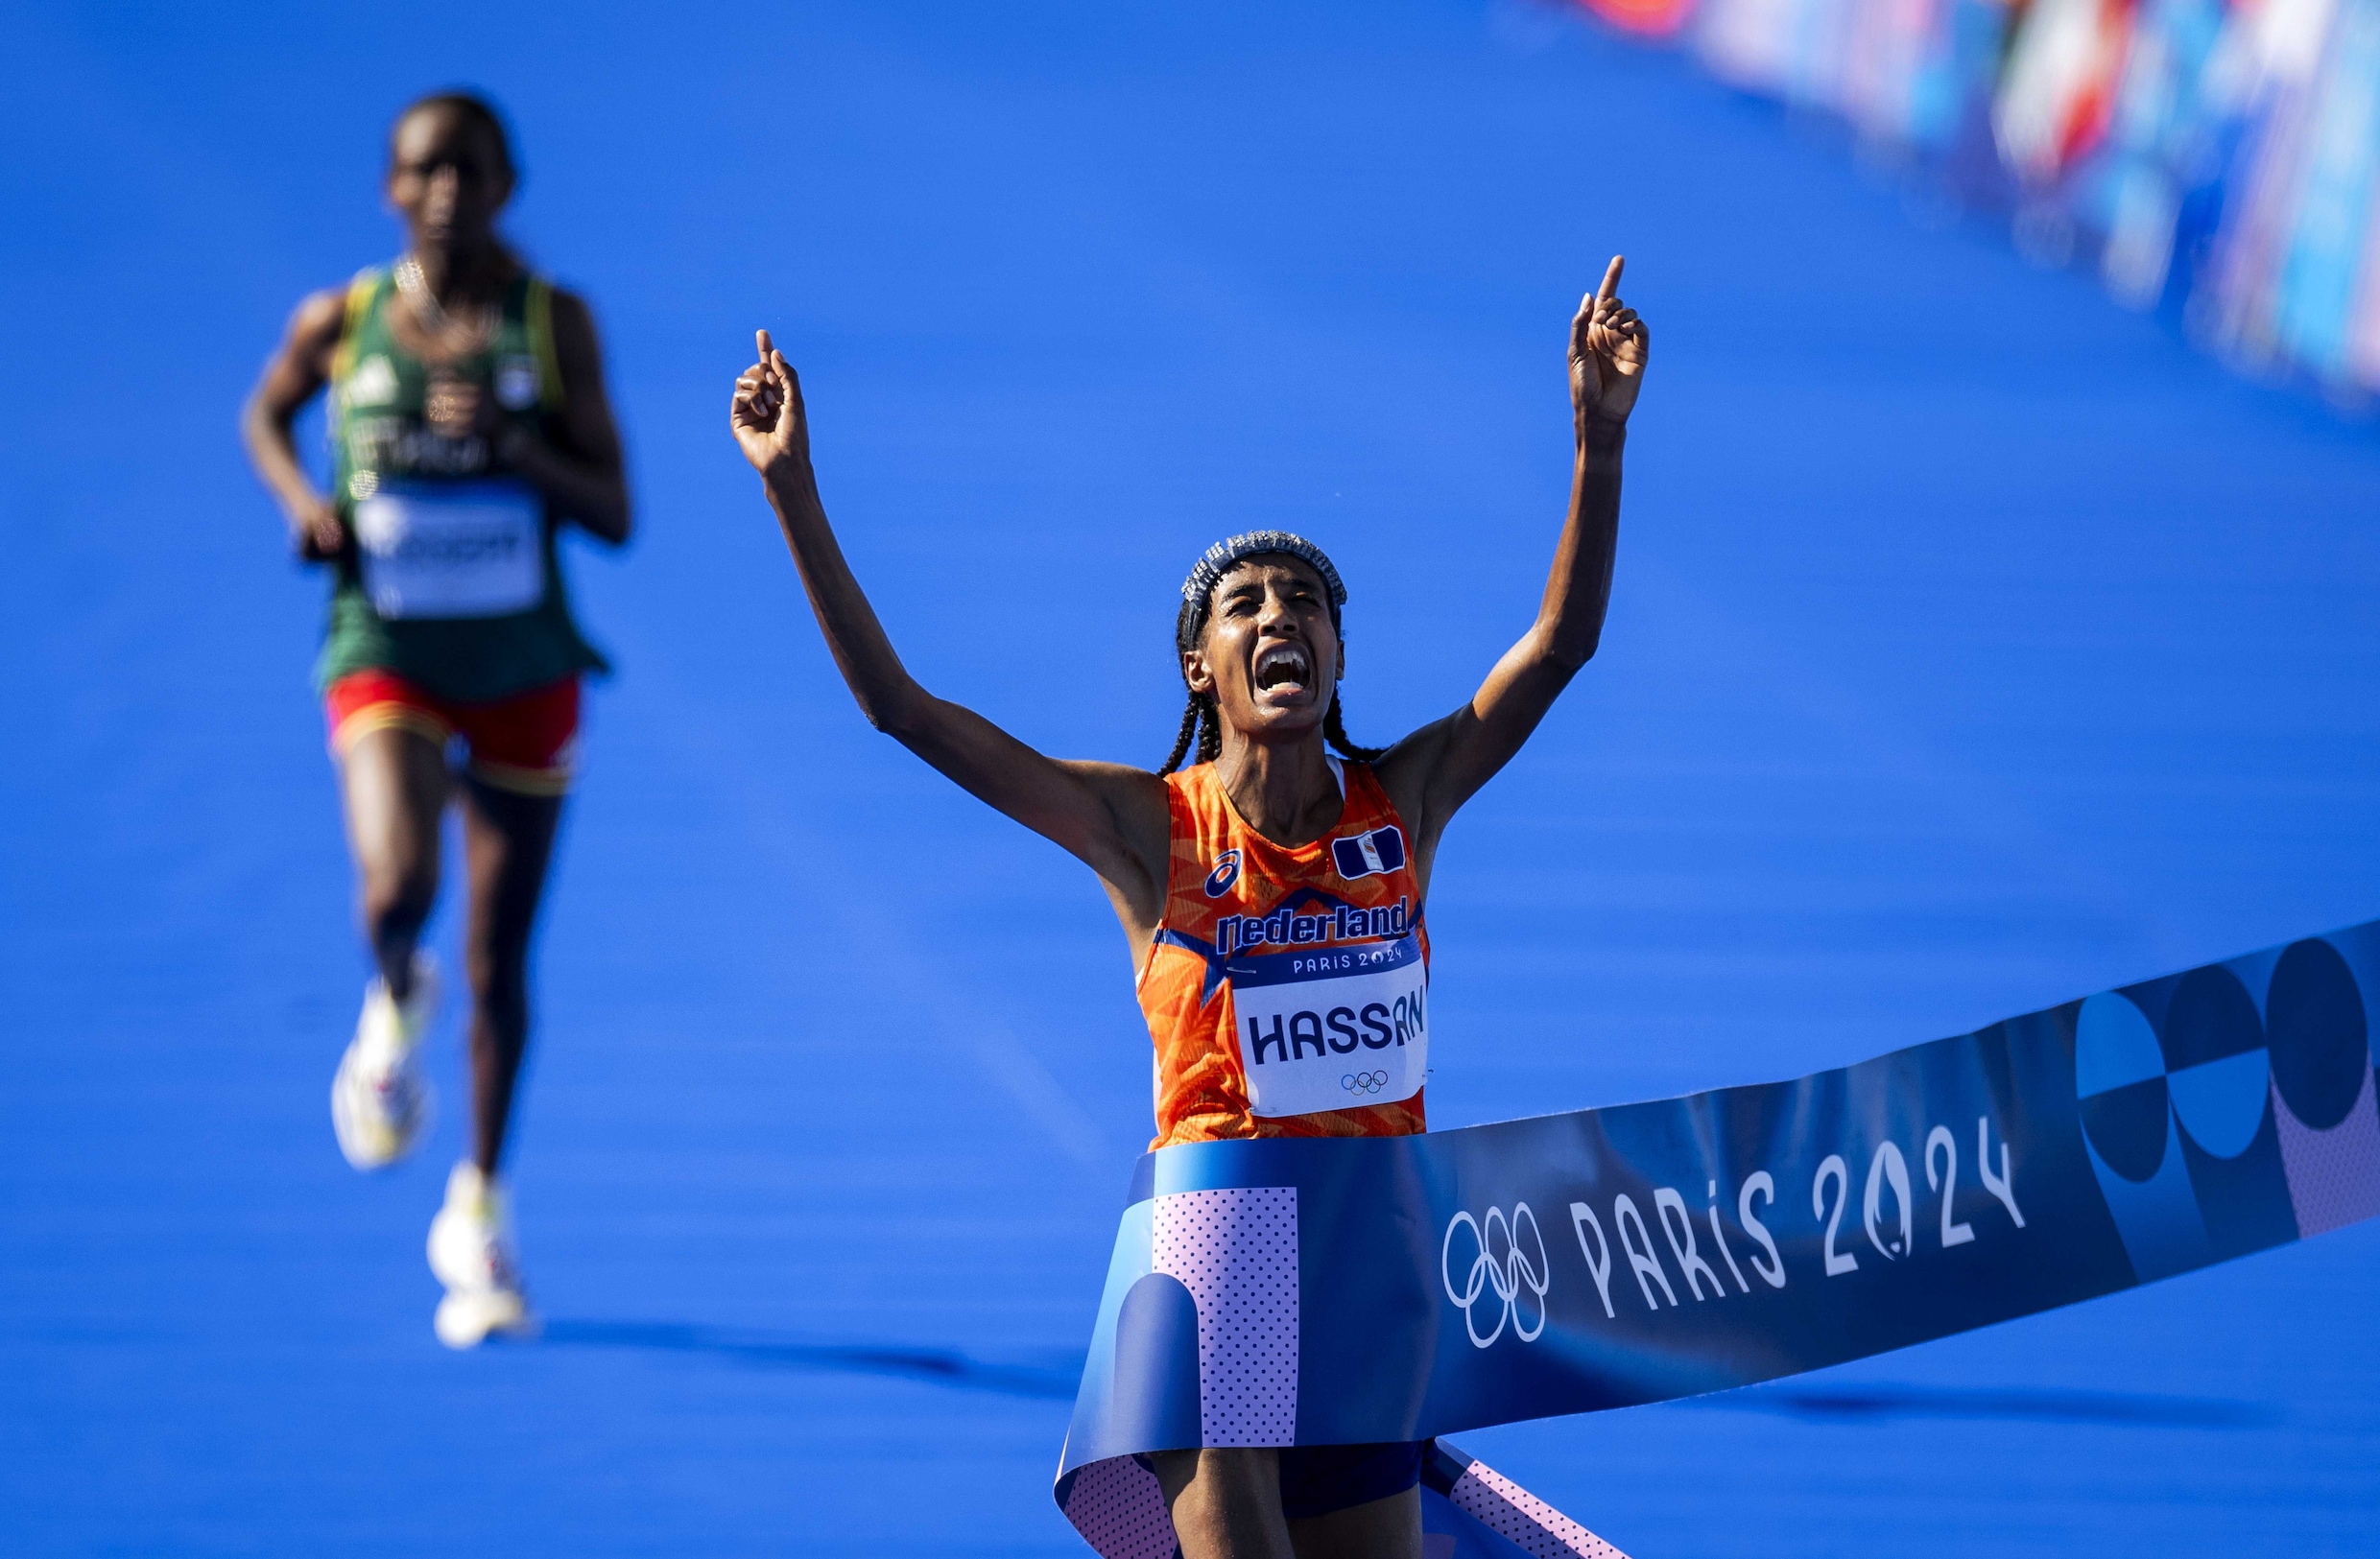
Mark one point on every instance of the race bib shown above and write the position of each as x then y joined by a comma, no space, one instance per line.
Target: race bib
473,549
1332,1027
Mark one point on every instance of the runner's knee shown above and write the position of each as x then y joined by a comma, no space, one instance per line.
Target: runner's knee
398,899
495,959
498,966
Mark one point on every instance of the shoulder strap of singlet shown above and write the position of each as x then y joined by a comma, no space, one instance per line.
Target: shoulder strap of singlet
1360,784
360,291
538,320
1180,803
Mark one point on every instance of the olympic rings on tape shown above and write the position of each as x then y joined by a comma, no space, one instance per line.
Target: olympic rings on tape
1509,1275
1364,1083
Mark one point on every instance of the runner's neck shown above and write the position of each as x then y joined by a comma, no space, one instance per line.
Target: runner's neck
1290,793
458,277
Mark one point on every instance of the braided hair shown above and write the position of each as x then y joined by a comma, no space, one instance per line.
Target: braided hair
1202,725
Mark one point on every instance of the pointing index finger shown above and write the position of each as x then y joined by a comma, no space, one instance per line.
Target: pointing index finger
1612,280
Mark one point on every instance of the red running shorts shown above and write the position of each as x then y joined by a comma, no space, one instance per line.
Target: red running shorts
524,743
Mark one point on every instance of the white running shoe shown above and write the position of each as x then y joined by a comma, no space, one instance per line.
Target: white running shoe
379,1101
472,1252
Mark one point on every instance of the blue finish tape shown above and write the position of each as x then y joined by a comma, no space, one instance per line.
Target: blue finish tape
1316,1291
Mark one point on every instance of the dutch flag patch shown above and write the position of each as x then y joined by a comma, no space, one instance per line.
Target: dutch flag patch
1370,854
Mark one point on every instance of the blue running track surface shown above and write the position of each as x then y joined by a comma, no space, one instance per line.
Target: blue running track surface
1976,645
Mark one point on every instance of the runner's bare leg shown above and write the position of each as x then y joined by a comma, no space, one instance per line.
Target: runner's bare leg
507,843
1227,1504
394,785
1389,1529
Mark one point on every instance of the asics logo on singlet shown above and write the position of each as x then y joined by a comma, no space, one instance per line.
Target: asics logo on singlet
1364,1083
1368,854
1227,872
1517,1275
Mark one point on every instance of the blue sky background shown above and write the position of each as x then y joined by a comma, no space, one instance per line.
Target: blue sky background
1976,645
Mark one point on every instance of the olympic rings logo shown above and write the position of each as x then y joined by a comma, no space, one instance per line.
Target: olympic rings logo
1364,1083
1509,1274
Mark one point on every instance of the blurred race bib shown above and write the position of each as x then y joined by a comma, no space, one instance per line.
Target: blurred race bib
465,549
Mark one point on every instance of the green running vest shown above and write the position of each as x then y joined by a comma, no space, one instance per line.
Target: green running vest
453,582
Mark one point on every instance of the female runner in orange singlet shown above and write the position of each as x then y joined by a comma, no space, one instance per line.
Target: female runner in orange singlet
1273,894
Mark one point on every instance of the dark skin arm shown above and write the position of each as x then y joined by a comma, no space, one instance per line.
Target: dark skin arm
293,375
1110,817
581,473
1436,770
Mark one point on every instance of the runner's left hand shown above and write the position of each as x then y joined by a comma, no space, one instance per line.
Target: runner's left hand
1609,349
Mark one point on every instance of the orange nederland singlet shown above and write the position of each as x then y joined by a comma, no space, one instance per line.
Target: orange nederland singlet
1287,990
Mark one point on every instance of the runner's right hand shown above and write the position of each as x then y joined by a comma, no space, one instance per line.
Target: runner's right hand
1608,348
457,408
315,532
767,414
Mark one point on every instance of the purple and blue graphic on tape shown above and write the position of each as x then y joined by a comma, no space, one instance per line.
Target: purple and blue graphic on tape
1307,1291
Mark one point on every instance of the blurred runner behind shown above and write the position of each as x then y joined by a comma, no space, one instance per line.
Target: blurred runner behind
468,422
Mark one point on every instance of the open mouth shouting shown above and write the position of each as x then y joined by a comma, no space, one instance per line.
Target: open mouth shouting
1283,673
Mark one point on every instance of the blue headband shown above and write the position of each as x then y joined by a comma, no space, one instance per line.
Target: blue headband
1219,559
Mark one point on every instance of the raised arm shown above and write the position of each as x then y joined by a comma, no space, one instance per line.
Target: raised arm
1110,816
1432,771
